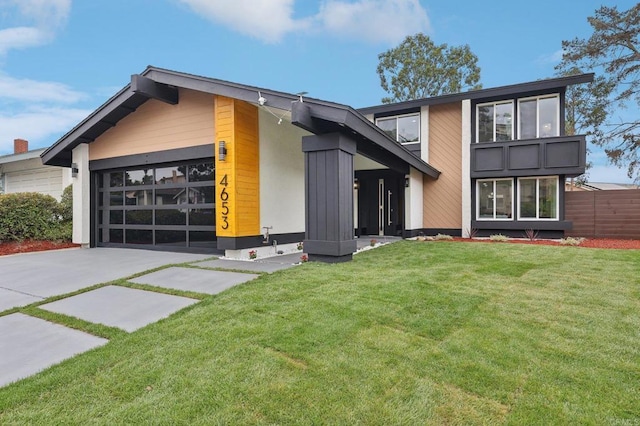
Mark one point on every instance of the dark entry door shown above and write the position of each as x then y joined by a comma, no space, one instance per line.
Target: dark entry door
380,201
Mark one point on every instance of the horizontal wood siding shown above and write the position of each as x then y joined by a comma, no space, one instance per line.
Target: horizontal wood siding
238,211
158,126
604,214
443,197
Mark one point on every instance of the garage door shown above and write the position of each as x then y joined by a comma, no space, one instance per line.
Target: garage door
165,207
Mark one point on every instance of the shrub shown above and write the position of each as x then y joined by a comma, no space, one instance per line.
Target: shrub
531,234
571,241
440,237
66,204
30,215
499,238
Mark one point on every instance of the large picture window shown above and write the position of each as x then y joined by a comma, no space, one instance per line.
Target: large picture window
402,128
167,205
538,198
494,199
494,122
539,117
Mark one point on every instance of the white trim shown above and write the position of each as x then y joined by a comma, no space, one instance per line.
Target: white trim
537,124
396,117
81,196
466,167
509,101
424,133
537,198
494,191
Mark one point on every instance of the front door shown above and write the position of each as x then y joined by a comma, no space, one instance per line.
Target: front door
380,197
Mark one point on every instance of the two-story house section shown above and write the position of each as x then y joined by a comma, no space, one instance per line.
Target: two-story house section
503,154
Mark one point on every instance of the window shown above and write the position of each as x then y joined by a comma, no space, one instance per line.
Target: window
539,117
538,198
402,128
494,199
494,122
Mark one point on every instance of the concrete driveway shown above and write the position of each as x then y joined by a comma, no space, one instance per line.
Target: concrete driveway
32,277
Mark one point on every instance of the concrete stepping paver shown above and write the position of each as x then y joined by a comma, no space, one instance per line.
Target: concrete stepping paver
29,345
122,307
10,299
245,265
191,279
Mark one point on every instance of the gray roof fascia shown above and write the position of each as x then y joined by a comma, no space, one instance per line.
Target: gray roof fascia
12,158
329,111
513,89
73,138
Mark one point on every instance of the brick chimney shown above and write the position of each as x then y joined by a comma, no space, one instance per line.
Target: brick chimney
20,146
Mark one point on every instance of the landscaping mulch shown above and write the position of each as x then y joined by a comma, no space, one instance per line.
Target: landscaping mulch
603,243
30,246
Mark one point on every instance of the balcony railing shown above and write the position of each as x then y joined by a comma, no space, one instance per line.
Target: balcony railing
562,155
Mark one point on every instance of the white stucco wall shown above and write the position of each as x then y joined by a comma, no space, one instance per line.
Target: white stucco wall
282,204
413,201
81,196
424,133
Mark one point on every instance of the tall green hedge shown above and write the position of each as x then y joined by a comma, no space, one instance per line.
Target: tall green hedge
34,216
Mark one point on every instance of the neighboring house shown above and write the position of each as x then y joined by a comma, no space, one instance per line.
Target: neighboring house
183,162
23,171
600,186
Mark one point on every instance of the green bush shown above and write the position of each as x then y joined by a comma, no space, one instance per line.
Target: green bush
66,204
32,216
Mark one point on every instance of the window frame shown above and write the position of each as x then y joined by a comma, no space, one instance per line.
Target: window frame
477,194
494,104
396,117
537,124
537,198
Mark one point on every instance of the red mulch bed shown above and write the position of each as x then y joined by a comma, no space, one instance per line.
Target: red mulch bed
29,246
606,243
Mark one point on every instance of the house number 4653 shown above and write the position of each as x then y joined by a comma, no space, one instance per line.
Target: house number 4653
224,198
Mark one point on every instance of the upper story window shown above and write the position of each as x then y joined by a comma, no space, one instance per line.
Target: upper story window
539,117
494,122
402,128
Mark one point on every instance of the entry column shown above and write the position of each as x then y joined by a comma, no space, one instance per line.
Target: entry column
329,197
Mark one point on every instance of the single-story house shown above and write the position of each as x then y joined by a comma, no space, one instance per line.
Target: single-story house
23,171
183,162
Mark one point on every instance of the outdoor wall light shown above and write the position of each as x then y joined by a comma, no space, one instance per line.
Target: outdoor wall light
356,184
222,150
74,170
406,181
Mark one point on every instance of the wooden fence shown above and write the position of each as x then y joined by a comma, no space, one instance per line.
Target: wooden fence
604,214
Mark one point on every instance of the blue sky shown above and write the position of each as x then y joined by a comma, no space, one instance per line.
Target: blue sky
61,59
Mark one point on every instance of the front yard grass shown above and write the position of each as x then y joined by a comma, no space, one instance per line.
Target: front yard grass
409,333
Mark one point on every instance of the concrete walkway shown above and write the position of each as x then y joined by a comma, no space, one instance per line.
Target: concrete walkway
29,345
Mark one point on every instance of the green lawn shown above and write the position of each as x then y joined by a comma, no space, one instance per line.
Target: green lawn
410,333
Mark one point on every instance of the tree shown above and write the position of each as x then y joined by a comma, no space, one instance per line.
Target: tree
418,68
612,49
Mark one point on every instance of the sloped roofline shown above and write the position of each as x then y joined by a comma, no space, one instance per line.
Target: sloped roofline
127,100
494,92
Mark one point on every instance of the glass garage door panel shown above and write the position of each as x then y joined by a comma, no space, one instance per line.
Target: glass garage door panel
165,206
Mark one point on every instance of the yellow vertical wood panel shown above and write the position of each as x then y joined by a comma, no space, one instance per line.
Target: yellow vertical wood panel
443,197
158,126
238,196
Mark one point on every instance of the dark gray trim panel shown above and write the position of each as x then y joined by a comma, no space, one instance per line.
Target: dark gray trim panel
549,225
238,243
158,157
331,248
563,155
149,88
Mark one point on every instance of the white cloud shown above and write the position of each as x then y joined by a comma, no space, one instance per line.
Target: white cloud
26,90
552,58
46,17
37,126
267,20
387,21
